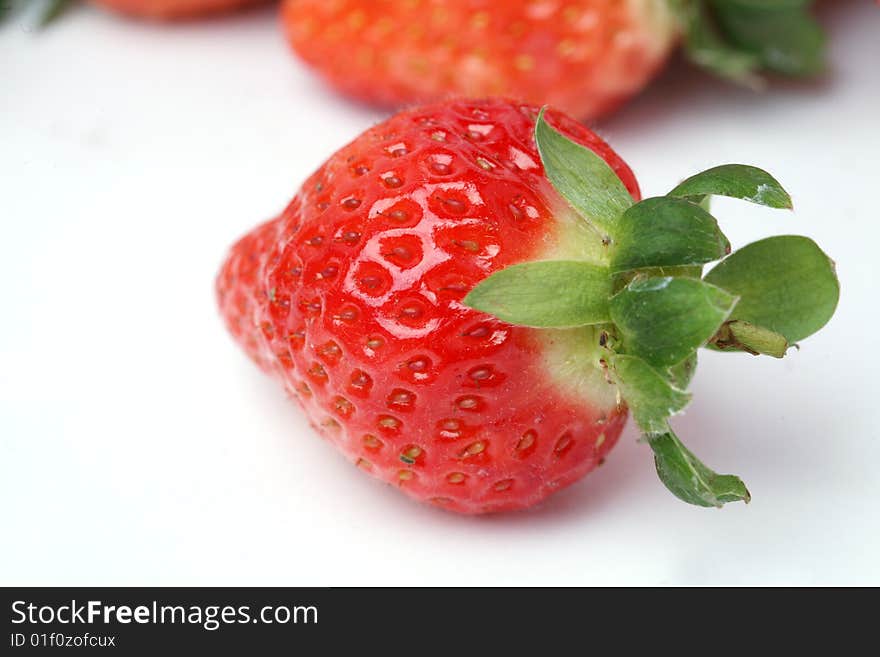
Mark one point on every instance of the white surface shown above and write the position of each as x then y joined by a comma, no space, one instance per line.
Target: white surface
141,447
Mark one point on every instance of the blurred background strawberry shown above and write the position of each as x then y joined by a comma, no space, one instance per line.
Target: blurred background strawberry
583,56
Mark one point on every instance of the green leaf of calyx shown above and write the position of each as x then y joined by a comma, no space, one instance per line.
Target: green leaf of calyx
735,39
689,479
783,35
664,320
665,231
652,398
649,395
706,47
786,284
582,178
53,9
736,181
9,7
680,374
44,12
545,294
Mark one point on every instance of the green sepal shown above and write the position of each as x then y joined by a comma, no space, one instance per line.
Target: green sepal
740,181
9,7
666,231
582,178
663,320
46,13
53,9
783,36
680,374
739,335
785,284
689,479
546,294
737,39
706,47
622,279
650,396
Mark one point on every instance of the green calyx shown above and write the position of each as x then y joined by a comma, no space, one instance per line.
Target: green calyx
738,39
649,301
46,10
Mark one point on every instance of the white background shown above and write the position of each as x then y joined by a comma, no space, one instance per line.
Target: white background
139,446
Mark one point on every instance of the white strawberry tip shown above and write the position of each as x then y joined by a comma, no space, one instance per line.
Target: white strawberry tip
636,316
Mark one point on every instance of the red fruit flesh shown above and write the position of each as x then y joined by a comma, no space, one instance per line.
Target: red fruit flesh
175,9
352,297
583,56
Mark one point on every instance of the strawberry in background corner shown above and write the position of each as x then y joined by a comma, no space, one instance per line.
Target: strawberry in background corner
584,56
468,299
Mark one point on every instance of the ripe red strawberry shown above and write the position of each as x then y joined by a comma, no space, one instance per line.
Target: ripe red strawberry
354,298
175,9
583,56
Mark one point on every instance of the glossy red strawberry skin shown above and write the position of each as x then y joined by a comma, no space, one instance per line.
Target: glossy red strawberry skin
175,9
352,298
582,56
